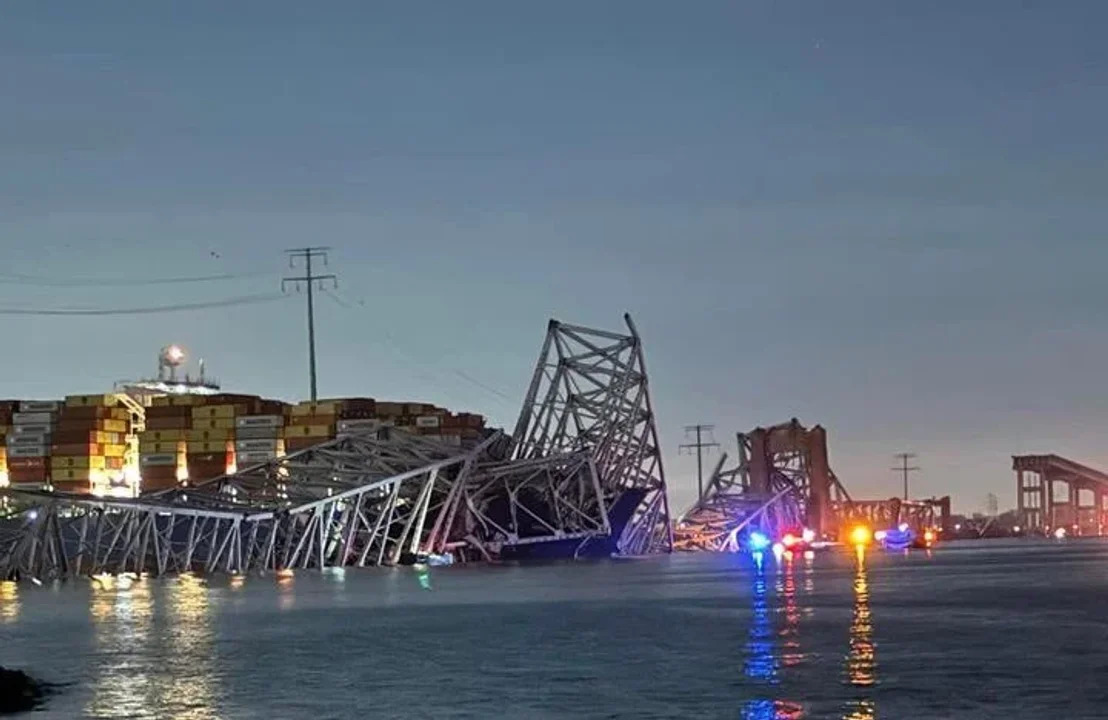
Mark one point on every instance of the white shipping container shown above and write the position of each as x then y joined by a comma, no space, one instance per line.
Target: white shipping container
265,445
427,421
39,429
162,459
257,433
363,424
29,439
32,418
247,459
18,451
259,421
453,440
39,406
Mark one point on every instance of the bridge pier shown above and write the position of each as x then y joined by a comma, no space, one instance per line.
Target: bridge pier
1040,504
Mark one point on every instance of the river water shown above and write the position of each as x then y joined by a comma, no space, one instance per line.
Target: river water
981,630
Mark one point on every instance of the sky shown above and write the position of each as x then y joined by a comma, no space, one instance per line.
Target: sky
882,216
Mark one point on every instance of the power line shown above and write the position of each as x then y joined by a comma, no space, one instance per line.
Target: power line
699,446
390,341
309,279
54,281
152,310
903,468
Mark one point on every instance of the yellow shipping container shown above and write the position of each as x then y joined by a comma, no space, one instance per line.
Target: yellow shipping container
93,462
215,412
207,447
114,451
157,448
227,423
186,400
119,426
76,401
209,434
161,435
309,431
305,409
73,474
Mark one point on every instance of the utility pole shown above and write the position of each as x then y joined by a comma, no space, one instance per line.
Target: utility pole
699,446
309,279
903,468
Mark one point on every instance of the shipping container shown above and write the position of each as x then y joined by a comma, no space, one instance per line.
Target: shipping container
29,439
168,423
310,408
258,421
115,450
38,429
120,426
28,451
344,426
201,435
26,463
217,424
216,412
168,446
72,483
259,433
302,443
88,462
309,431
256,457
427,421
390,409
39,406
32,418
158,459
77,449
80,401
258,445
164,411
162,435
77,437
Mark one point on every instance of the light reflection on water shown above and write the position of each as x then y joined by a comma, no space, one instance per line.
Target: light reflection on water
155,650
861,664
9,601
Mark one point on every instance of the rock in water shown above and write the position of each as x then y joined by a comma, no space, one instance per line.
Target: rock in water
19,692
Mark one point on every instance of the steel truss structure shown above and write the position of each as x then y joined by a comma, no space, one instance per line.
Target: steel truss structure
782,482
590,393
583,466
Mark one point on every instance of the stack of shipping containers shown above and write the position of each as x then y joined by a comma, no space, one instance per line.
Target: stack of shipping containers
260,438
28,446
162,444
308,424
89,441
7,409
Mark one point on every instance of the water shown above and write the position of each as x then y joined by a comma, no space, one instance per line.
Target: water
982,630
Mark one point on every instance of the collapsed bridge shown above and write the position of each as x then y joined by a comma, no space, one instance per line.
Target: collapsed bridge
783,483
581,475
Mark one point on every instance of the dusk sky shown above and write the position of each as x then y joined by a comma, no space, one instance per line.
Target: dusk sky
884,217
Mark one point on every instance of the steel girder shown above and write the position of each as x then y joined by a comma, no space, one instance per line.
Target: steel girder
590,393
782,482
357,501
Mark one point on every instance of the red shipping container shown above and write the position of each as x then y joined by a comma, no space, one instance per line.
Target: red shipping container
169,423
26,463
77,450
168,411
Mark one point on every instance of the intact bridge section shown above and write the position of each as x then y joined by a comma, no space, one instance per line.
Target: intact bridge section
1055,493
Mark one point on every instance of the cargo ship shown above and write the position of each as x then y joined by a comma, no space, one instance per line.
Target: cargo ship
174,430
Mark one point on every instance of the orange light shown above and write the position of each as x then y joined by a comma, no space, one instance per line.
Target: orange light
789,540
929,536
860,535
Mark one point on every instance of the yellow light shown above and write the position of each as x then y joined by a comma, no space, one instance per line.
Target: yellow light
5,479
929,536
860,535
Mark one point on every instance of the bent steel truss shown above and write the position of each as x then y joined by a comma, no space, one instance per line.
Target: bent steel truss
583,452
782,482
590,393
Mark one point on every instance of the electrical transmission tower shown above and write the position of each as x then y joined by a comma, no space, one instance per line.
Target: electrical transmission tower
309,279
699,446
905,469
